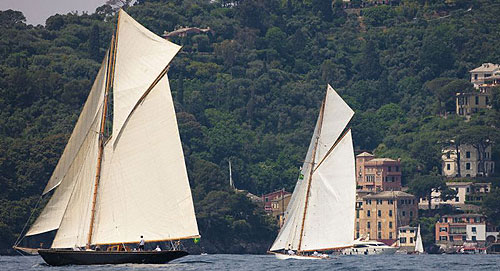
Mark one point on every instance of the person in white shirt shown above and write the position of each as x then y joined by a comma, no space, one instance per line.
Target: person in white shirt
141,243
157,248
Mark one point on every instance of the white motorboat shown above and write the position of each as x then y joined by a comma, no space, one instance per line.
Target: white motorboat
369,247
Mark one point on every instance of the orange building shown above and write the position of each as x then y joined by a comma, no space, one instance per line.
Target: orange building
377,174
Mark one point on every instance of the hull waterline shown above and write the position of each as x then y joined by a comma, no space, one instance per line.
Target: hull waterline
69,257
281,256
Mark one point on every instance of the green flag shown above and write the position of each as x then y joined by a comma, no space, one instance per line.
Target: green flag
196,240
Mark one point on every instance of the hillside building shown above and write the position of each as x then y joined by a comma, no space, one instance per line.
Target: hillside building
458,230
379,216
468,193
470,162
377,174
268,199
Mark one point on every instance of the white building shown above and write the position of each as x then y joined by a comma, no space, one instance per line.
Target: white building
469,162
486,74
475,232
467,192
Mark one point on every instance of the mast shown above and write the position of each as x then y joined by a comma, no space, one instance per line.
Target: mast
311,172
109,79
231,183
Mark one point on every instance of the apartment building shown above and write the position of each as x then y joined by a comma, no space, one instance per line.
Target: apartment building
377,174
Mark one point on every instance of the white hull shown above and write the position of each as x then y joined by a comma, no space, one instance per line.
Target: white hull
280,256
370,250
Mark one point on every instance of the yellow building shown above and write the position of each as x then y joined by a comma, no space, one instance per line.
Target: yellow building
278,207
407,238
380,215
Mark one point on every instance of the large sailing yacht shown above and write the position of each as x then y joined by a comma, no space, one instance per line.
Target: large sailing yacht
109,191
320,215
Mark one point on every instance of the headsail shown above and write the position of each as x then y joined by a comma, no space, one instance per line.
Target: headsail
74,158
327,222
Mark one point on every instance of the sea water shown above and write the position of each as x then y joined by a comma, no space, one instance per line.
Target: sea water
269,262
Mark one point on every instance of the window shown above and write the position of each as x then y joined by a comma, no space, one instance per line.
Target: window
467,166
477,219
448,166
357,213
402,240
391,201
368,213
357,235
463,238
379,225
368,224
357,226
474,238
390,213
451,238
403,213
411,240
267,199
397,168
474,229
390,235
411,213
390,224
379,235
456,199
475,76
477,99
443,238
467,154
379,213
389,168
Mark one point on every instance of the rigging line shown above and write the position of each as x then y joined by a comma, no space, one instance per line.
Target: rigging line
21,237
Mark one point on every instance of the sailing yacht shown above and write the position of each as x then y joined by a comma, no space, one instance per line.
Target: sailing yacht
320,215
419,247
110,190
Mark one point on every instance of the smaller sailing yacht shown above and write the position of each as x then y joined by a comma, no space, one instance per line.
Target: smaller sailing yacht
108,193
419,247
320,215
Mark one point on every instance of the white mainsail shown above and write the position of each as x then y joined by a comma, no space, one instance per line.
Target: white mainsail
147,169
143,187
74,158
327,220
419,247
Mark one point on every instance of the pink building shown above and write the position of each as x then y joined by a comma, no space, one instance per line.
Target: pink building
377,174
268,198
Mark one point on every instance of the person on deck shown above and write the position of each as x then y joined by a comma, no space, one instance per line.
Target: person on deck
157,248
141,244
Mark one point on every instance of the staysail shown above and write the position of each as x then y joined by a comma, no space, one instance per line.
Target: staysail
143,187
324,217
74,159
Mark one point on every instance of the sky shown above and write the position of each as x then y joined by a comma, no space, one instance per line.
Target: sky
37,11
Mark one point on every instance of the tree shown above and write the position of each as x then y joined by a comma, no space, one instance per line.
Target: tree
324,7
423,186
491,206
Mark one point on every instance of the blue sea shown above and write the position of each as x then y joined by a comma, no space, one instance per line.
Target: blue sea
268,262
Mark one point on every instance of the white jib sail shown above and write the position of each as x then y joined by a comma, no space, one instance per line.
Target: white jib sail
72,161
141,55
419,247
144,188
75,223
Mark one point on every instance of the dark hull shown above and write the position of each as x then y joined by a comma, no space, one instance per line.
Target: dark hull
67,257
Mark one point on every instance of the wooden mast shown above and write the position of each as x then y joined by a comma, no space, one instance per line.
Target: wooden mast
311,172
109,79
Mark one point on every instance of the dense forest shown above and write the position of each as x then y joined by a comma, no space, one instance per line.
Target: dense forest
250,91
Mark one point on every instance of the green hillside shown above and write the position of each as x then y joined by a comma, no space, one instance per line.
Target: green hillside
251,91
